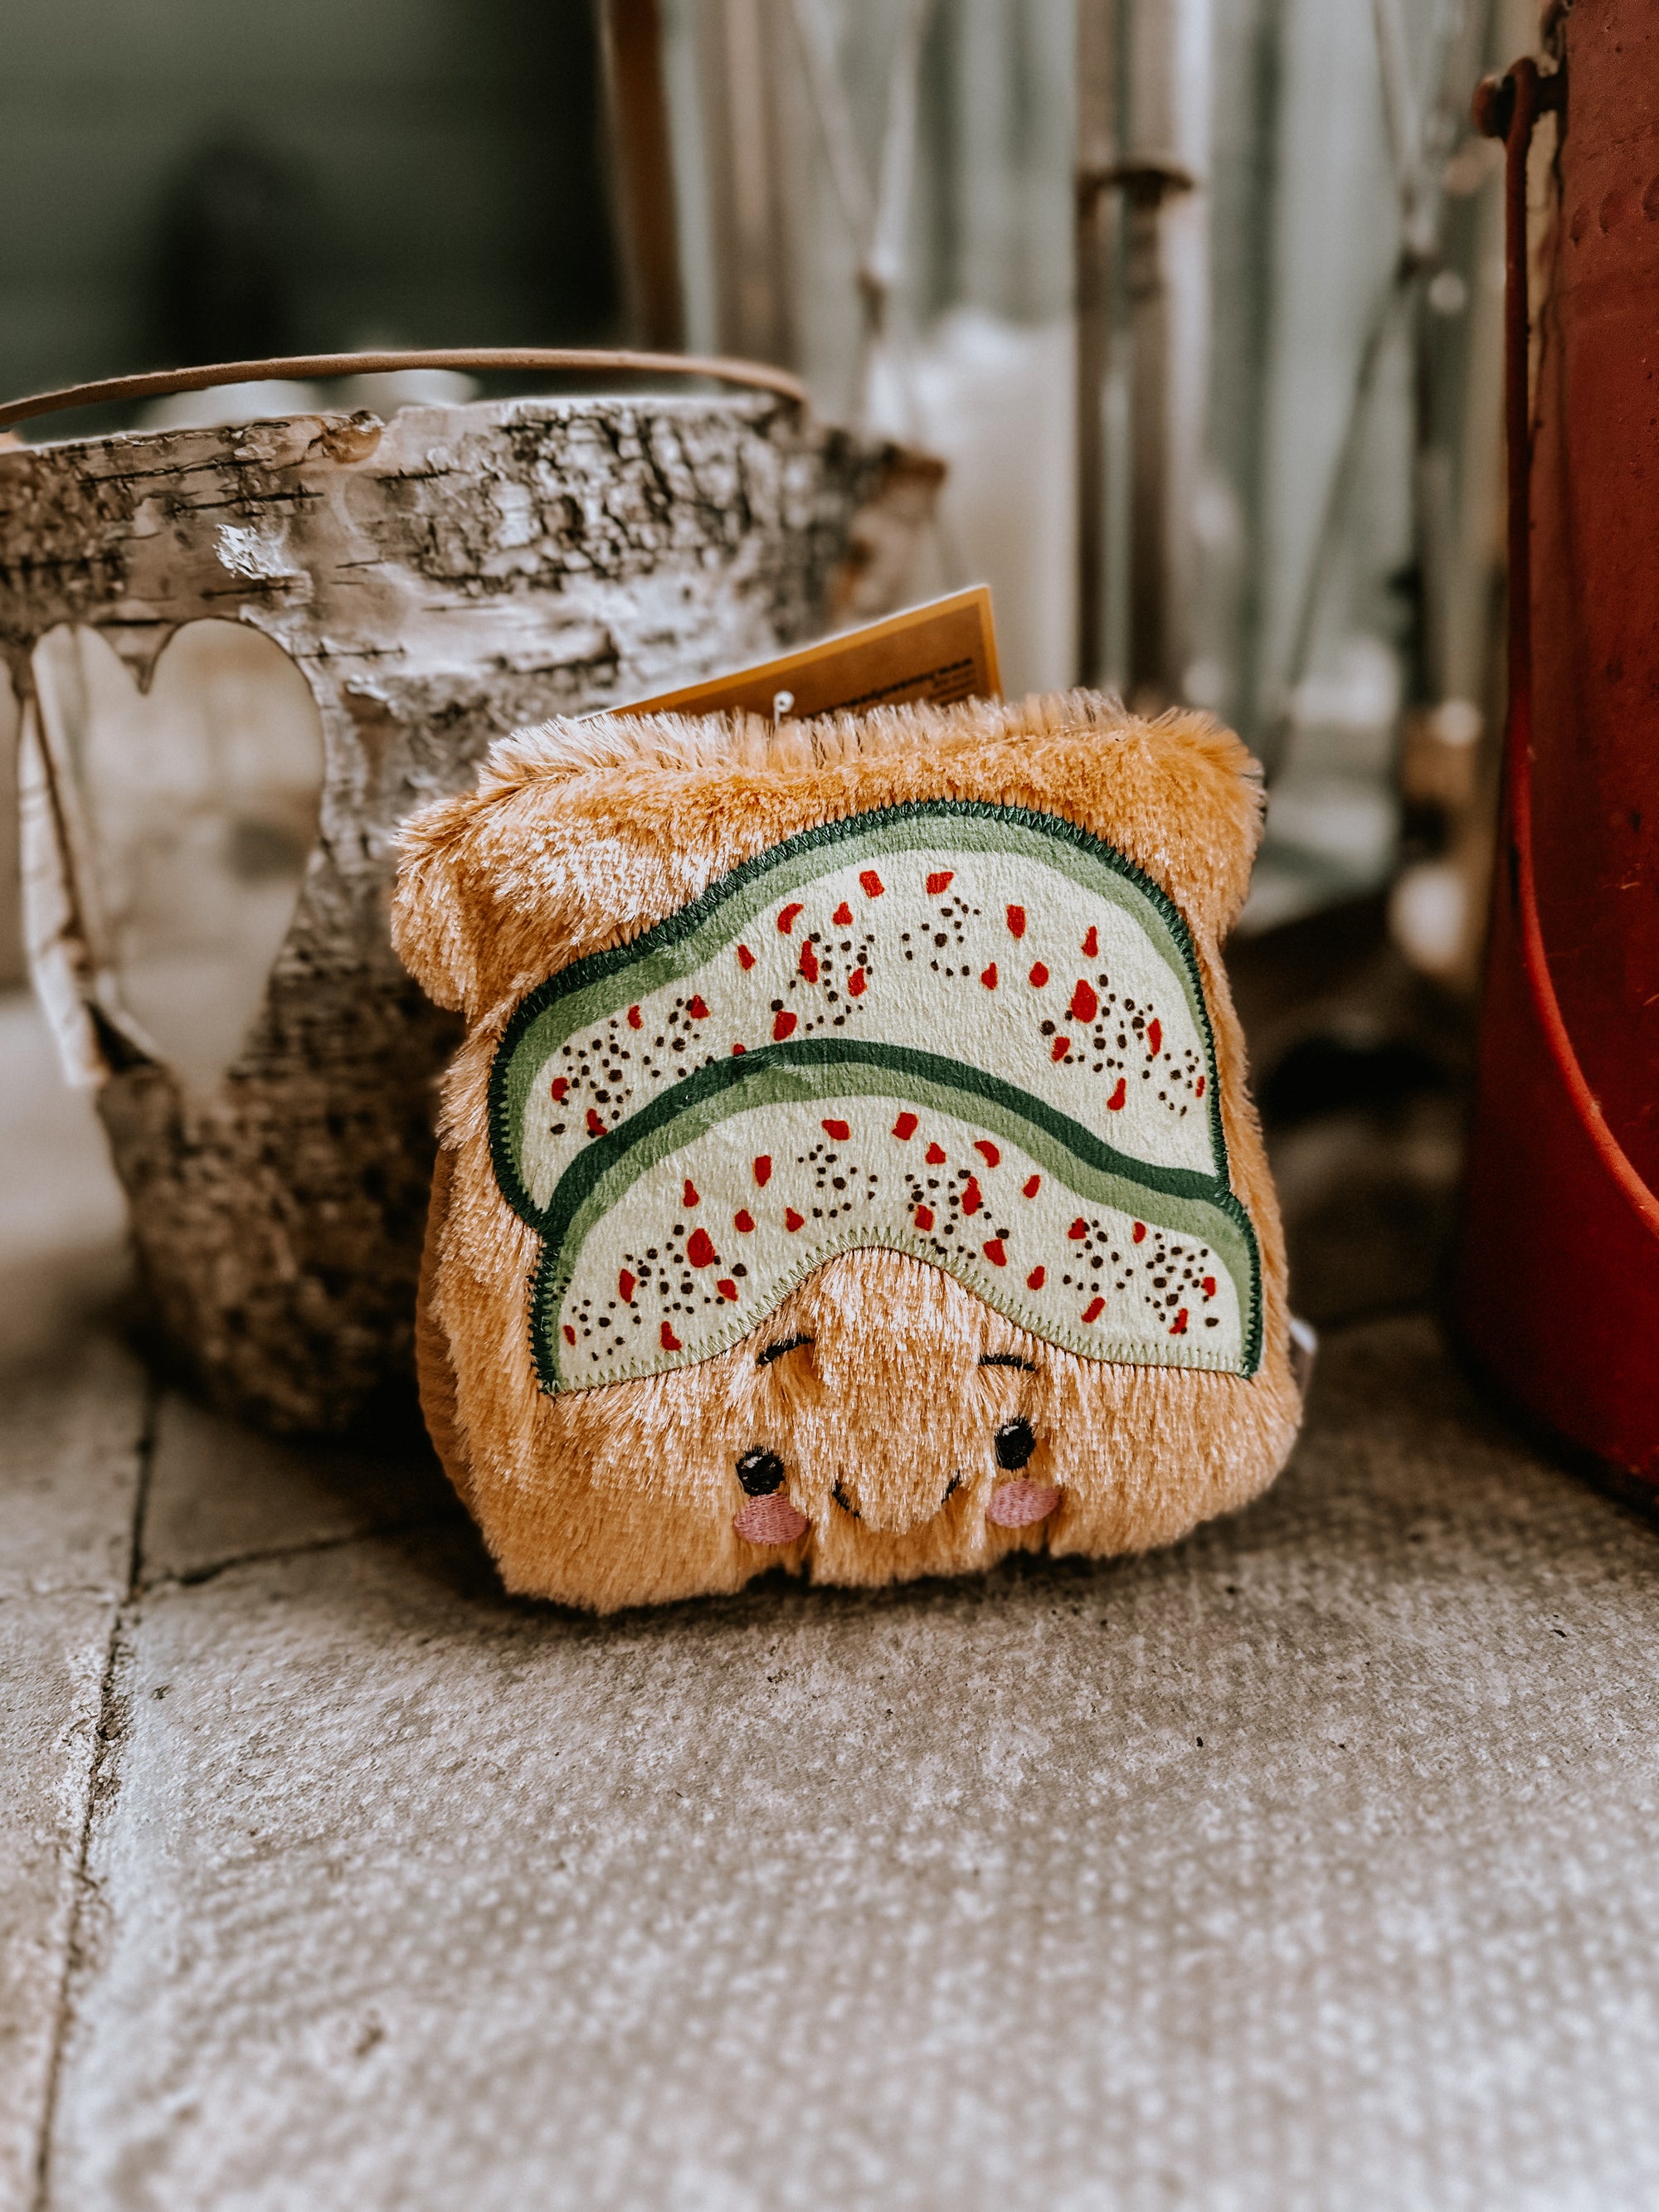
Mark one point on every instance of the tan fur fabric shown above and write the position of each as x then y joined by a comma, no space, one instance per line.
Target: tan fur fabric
581,836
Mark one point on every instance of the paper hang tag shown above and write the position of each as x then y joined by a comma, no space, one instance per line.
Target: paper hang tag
942,651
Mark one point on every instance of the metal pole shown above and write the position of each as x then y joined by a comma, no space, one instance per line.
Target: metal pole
1099,33
631,32
1169,286
749,178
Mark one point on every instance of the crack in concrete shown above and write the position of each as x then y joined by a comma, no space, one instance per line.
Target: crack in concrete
193,1577
102,1781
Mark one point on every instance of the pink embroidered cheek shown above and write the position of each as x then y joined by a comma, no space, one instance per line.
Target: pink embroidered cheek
1021,1505
769,1520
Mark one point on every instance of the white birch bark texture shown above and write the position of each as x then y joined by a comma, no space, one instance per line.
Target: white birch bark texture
438,580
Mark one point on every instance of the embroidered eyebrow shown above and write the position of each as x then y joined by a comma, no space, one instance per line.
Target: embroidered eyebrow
1006,1360
777,1350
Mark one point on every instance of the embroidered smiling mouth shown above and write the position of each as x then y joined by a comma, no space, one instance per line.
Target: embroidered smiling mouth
847,1505
772,1520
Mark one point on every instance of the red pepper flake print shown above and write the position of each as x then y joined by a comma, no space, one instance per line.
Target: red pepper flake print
727,1288
570,1334
791,1220
1178,1326
936,1156
1084,1004
988,976
636,1019
924,1217
595,1127
1094,1309
1155,1036
1032,1185
1140,1232
905,1126
996,1251
1016,921
857,983
1078,1229
972,1198
670,1341
809,963
697,1010
626,1285
1036,1279
700,1250
744,1222
763,1170
1197,1088
841,1131
745,957
987,1151
690,1195
871,884
940,880
1039,975
560,1085
1208,1287
1062,1045
1114,1103
784,1026
842,916
1091,944
737,1050
787,919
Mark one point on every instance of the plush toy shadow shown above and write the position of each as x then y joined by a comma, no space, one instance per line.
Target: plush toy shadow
849,1165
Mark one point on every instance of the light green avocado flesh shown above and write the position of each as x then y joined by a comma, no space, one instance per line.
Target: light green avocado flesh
996,988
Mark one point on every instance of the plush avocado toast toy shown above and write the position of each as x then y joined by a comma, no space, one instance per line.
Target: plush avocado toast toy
848,1166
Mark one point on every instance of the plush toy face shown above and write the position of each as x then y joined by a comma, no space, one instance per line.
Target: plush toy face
878,1208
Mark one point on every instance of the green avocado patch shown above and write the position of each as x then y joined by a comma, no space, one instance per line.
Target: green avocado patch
972,1034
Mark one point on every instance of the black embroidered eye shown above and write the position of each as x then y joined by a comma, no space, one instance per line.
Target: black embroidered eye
760,1473
1015,1442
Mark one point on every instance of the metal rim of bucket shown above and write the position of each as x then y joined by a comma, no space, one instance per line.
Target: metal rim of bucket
157,384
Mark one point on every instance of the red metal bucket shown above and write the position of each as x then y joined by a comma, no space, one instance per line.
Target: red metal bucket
1557,1289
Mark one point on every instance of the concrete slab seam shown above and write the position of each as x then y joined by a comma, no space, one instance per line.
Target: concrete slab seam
194,1577
100,1782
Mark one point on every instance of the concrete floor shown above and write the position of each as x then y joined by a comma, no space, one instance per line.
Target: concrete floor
1308,1864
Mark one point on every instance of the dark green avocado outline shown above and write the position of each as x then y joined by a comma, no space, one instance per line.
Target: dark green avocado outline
552,1221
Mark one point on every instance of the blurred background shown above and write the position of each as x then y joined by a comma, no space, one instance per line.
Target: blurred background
1199,300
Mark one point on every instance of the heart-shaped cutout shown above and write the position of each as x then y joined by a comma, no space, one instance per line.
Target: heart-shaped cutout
194,808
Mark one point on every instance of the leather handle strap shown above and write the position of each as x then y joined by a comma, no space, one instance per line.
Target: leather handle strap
303,368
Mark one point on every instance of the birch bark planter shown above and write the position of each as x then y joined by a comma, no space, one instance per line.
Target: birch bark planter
413,589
